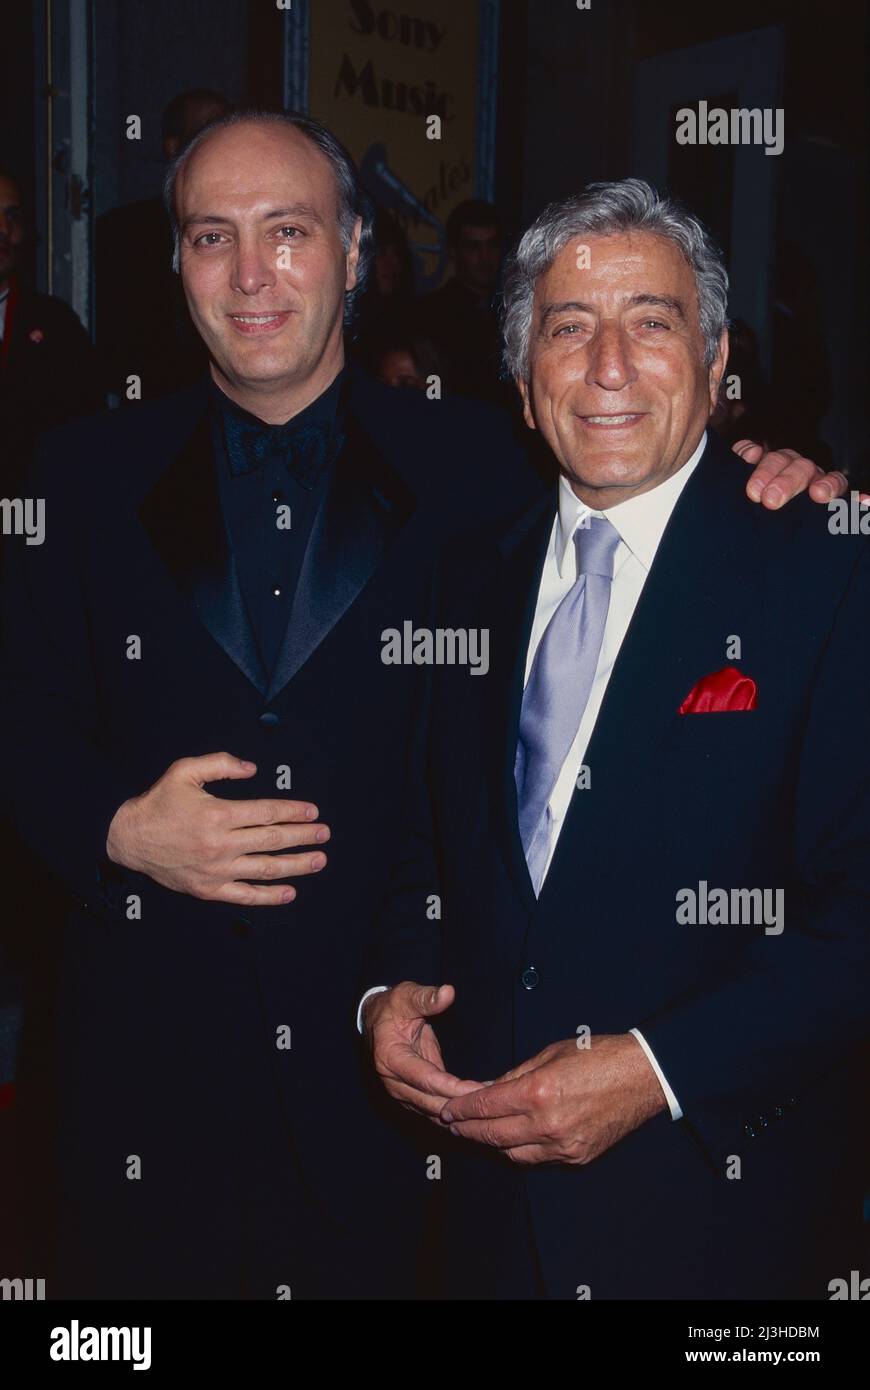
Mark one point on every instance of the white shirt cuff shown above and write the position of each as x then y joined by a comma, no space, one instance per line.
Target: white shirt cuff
673,1103
376,989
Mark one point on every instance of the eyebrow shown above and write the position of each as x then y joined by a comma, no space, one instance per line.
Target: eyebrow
292,210
660,301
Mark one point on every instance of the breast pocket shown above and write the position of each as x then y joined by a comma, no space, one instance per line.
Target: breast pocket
725,771
711,738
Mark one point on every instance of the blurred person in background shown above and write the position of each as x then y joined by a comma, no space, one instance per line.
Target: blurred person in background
143,328
48,370
390,289
461,317
400,356
743,406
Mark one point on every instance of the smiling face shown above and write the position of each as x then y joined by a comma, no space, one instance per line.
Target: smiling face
263,266
617,381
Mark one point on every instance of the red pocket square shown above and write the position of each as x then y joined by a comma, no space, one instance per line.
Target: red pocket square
723,690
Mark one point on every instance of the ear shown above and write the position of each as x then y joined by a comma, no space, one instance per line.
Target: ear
353,255
717,368
523,388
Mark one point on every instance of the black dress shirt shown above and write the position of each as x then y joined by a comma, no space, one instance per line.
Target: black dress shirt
269,514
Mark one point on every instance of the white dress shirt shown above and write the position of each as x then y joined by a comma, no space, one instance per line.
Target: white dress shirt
640,522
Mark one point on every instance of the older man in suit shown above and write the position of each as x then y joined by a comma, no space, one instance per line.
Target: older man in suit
648,830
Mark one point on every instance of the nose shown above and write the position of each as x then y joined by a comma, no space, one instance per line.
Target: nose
254,266
610,364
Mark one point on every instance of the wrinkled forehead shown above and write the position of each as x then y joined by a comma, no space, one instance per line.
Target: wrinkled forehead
617,269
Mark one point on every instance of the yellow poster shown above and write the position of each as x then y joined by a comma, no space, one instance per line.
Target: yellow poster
378,74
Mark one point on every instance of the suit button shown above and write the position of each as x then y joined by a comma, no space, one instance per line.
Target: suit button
242,927
268,719
749,1131
530,978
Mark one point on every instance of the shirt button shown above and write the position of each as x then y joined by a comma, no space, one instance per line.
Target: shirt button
277,592
530,978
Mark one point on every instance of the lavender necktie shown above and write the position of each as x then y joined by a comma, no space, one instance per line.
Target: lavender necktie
559,686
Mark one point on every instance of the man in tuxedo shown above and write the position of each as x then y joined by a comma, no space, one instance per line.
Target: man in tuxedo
194,659
648,830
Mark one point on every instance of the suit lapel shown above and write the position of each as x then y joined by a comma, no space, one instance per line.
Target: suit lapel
513,598
182,515
365,506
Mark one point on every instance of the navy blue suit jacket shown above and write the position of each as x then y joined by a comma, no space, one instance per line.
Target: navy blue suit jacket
761,1036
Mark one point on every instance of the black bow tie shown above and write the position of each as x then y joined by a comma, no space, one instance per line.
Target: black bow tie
302,449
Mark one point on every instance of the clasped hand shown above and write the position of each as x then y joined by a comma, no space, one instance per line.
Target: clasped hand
567,1104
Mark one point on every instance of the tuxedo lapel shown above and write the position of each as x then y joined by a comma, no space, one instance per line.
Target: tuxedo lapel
513,598
687,607
365,507
182,515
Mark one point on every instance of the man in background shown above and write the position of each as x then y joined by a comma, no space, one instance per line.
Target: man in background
143,327
461,317
48,369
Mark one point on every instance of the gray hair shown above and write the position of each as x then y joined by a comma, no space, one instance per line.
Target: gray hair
606,209
352,201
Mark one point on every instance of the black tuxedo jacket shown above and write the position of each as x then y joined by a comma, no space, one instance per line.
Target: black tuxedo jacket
761,1036
166,1020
